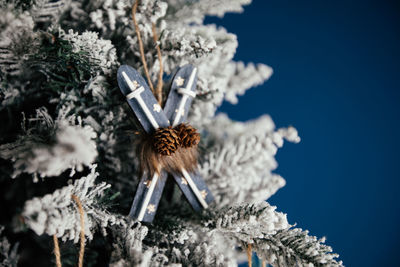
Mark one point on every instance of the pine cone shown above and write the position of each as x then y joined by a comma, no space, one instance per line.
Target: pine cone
188,136
166,141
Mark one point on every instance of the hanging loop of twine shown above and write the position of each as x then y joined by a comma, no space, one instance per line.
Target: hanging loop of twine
57,252
158,91
249,256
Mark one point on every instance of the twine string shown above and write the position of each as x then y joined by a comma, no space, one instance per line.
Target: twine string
249,254
158,91
160,73
82,233
57,252
141,49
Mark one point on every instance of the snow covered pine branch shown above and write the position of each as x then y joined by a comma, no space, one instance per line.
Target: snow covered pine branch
66,130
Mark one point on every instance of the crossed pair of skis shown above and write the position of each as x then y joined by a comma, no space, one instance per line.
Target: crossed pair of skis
151,117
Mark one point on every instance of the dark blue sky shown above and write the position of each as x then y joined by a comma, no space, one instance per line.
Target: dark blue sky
336,79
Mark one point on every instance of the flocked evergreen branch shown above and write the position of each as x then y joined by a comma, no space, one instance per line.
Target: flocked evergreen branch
49,148
247,157
16,30
248,221
48,11
294,247
100,52
195,11
128,248
188,243
272,238
56,214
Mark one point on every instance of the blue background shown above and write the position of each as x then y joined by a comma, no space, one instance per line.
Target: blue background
336,79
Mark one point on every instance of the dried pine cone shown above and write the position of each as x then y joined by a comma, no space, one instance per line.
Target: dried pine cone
188,136
166,141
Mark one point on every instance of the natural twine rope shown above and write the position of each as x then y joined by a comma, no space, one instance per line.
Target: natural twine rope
82,233
158,91
160,73
249,254
263,263
57,253
141,49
